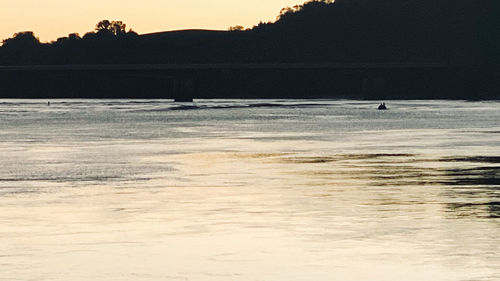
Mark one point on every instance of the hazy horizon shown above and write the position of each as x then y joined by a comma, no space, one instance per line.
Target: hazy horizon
52,19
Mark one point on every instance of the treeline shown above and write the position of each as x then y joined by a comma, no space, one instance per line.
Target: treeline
108,43
457,32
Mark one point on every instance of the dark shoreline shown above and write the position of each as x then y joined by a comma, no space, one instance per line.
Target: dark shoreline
251,81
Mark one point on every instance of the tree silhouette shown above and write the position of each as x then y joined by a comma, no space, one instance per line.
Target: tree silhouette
103,25
118,27
288,11
74,36
236,28
114,27
22,40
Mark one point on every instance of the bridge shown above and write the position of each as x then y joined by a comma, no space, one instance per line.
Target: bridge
224,80
220,66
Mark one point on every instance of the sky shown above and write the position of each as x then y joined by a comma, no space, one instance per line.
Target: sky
51,19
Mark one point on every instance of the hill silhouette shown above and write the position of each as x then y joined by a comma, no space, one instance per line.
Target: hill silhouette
462,34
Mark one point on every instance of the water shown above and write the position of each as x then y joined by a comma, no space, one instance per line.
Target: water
249,190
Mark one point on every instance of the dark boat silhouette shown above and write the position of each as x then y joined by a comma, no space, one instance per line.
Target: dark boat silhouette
382,106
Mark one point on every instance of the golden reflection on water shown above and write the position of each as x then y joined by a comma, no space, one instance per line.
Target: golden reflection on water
187,199
236,215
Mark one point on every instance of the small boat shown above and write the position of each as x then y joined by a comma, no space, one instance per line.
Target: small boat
382,106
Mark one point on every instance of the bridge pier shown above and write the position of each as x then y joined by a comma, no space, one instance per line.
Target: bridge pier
184,89
373,87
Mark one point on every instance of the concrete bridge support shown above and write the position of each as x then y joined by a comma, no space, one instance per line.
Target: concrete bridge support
184,89
373,87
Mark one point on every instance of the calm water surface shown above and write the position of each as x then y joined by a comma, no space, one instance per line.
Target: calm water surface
276,190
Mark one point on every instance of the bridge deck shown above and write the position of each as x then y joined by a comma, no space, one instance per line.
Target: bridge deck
222,66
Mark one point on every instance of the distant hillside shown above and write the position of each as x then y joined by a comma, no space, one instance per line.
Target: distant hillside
456,32
176,34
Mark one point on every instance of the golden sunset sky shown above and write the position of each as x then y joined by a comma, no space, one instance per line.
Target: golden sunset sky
51,19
